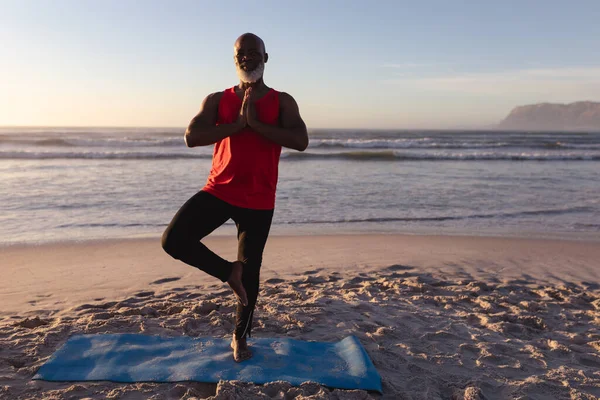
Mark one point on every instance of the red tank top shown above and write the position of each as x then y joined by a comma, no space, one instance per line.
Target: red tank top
245,165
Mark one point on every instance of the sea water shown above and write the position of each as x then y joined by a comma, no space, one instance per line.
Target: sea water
62,184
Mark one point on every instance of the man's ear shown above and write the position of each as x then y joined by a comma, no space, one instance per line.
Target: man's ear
266,57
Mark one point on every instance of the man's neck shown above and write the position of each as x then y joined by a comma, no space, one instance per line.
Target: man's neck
259,85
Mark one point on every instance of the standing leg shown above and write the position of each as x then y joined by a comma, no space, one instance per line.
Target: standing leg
253,231
198,217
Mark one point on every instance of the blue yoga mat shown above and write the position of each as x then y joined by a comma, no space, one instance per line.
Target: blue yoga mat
143,358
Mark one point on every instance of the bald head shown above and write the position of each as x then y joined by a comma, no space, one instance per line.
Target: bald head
250,57
250,39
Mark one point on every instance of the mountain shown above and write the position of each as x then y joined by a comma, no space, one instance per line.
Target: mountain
578,116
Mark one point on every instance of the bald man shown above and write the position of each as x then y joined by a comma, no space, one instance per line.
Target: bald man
248,124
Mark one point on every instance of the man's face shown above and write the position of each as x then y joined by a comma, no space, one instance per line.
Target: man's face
249,57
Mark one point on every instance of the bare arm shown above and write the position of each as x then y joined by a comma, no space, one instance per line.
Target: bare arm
292,131
203,129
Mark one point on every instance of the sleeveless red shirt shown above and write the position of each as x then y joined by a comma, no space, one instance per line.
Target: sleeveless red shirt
245,165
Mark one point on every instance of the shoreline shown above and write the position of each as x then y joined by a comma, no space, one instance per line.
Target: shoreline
52,274
278,231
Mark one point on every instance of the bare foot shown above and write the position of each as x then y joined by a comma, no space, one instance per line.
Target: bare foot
240,350
235,281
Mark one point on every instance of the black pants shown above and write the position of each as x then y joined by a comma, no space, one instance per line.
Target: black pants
201,215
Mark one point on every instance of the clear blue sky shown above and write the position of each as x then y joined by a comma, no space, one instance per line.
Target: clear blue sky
384,64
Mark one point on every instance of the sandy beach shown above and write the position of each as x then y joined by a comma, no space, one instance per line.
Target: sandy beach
442,317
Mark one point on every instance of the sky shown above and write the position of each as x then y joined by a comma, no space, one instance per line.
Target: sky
348,64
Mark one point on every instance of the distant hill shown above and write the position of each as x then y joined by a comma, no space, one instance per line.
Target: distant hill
578,116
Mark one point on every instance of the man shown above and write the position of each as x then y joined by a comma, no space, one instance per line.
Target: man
248,124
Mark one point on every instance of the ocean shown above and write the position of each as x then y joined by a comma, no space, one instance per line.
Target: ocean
71,184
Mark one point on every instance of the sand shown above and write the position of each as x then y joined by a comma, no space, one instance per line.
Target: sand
442,317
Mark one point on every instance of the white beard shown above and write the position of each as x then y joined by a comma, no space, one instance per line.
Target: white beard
251,76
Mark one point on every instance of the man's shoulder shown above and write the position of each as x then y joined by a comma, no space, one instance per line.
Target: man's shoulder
286,98
215,98
283,94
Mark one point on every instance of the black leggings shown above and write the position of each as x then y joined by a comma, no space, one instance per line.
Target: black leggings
198,217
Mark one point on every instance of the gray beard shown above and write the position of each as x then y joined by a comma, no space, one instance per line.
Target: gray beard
251,76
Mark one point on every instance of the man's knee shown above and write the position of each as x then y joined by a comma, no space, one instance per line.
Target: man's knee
169,243
251,271
252,264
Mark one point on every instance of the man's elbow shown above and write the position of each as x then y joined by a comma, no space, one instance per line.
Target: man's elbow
302,144
189,141
301,147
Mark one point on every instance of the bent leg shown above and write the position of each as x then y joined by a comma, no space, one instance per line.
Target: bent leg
198,217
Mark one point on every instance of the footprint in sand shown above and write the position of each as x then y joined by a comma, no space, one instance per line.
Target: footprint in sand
32,323
87,307
468,348
274,280
165,280
312,271
314,279
590,360
176,309
398,267
144,294
591,285
15,362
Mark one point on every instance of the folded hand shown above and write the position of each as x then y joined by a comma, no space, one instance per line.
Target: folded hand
250,99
